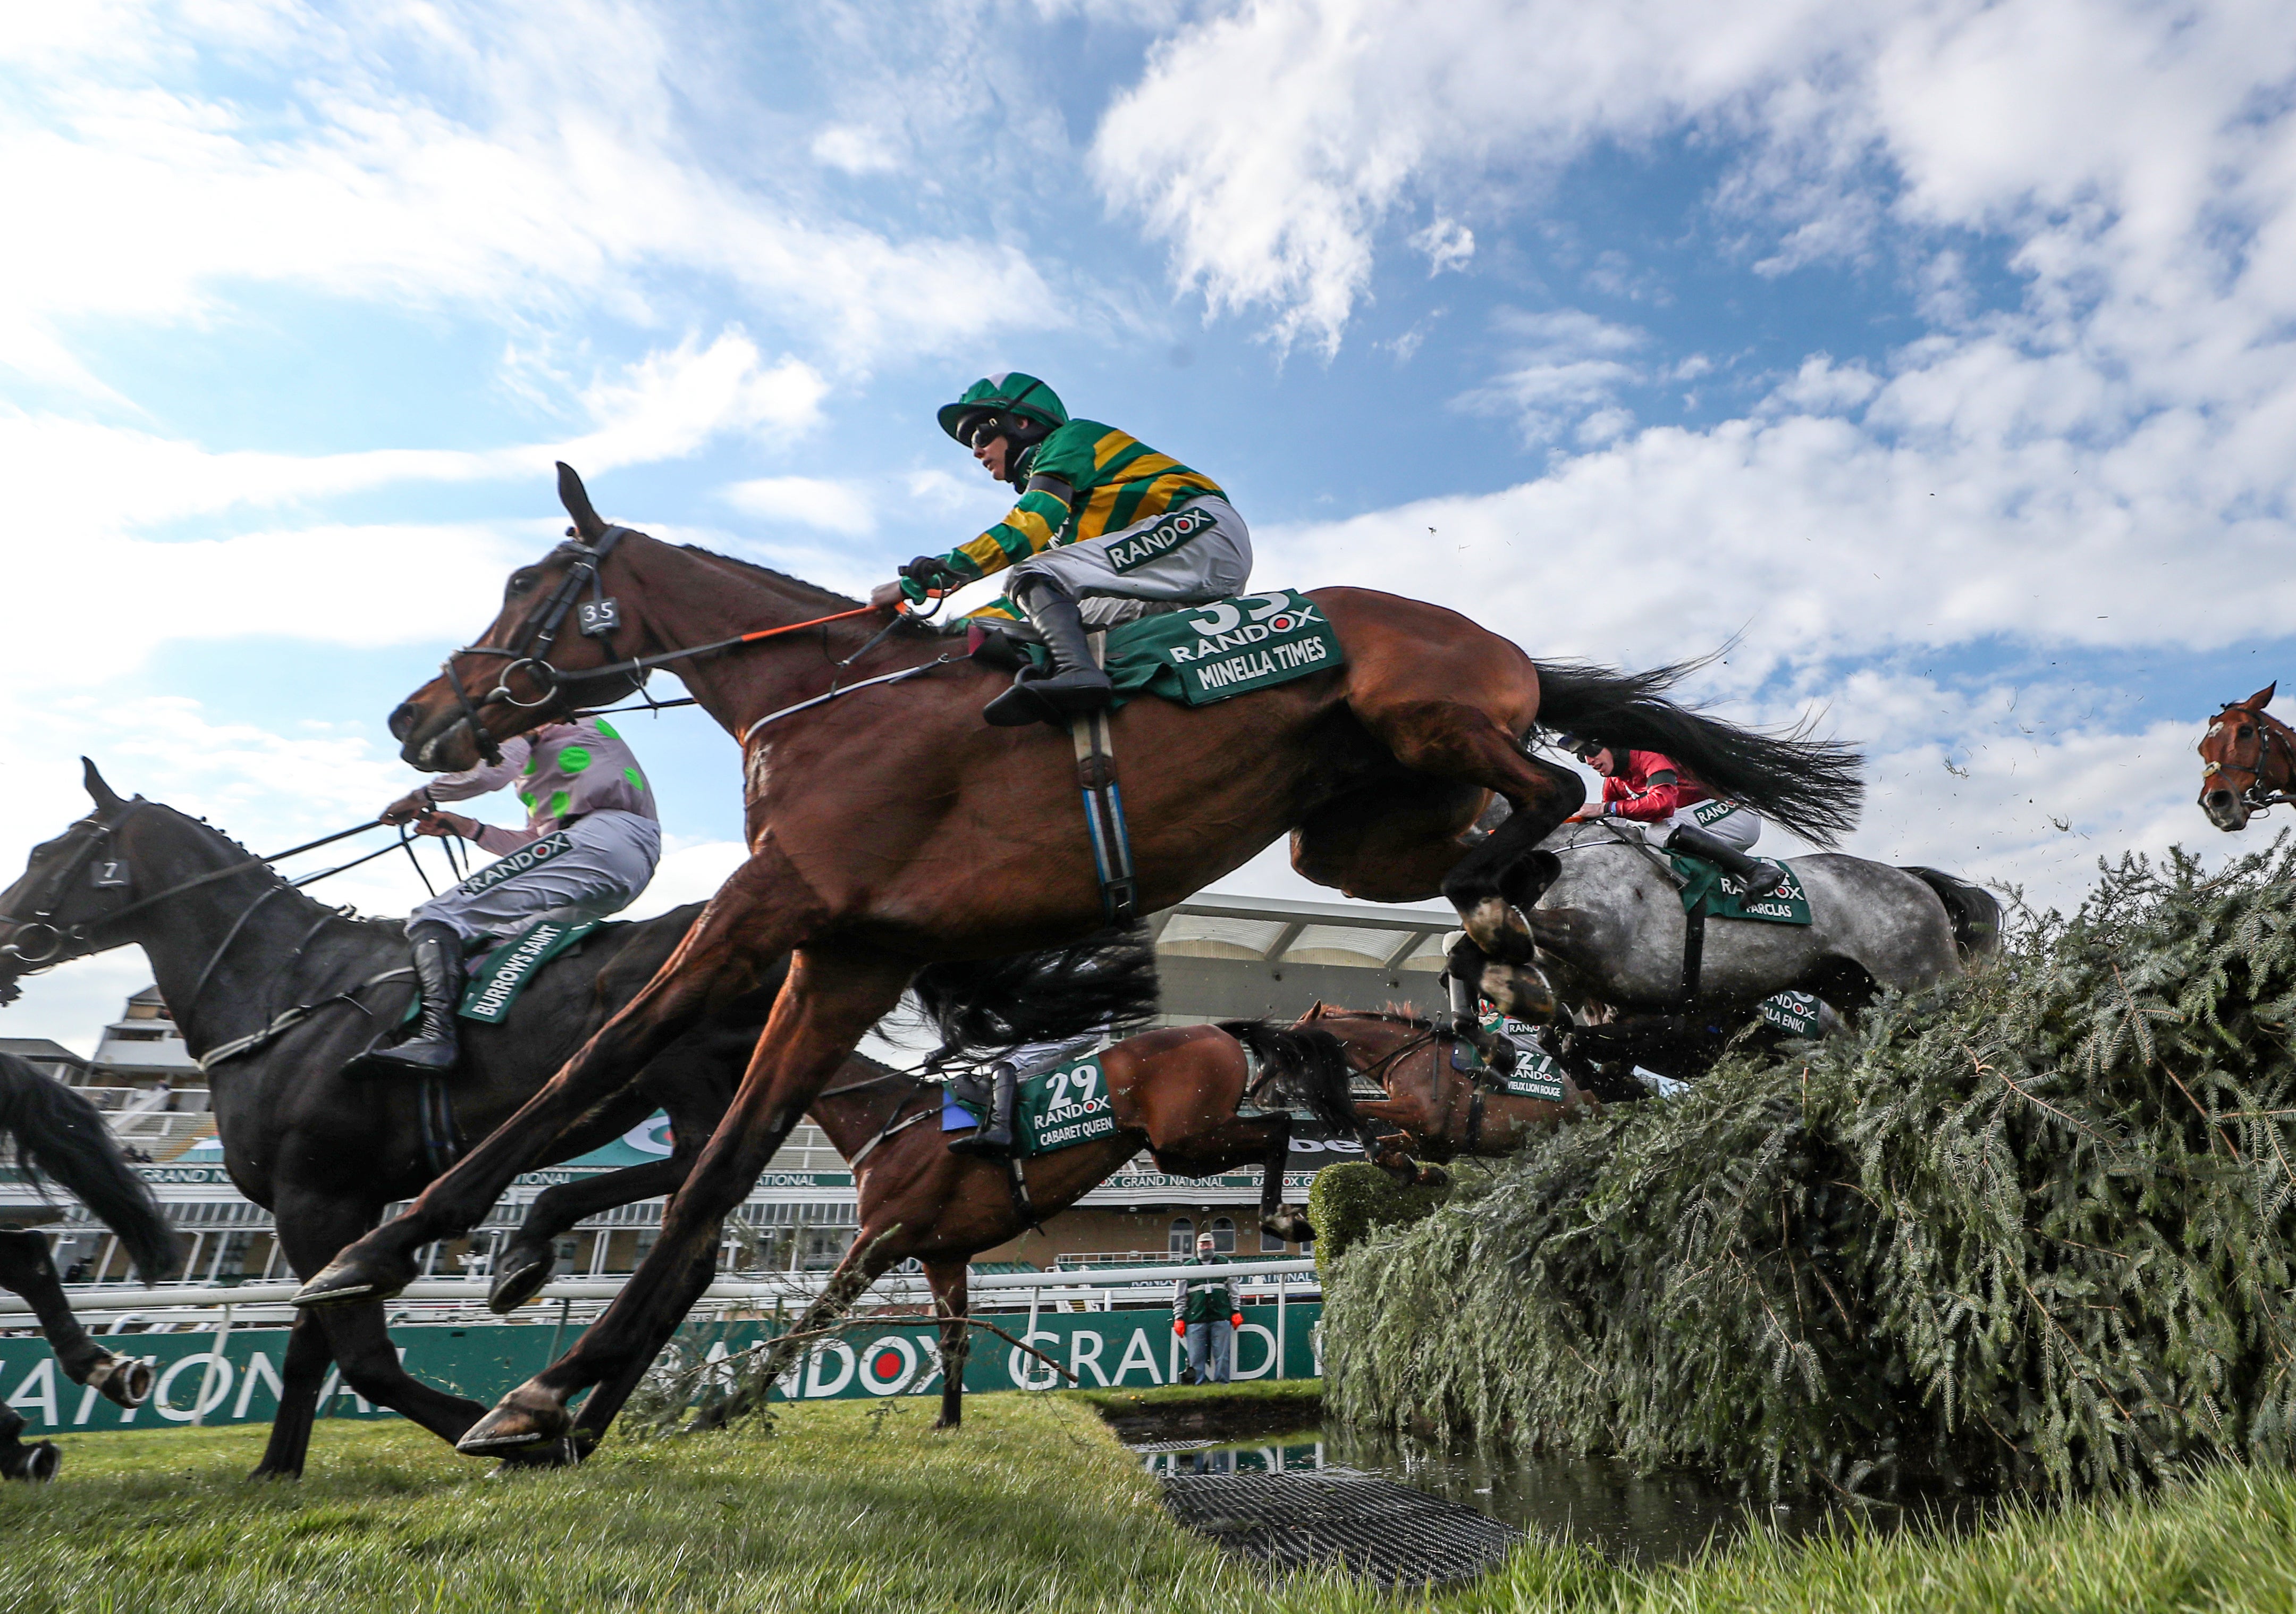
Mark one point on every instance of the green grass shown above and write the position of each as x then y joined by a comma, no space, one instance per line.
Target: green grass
1033,1506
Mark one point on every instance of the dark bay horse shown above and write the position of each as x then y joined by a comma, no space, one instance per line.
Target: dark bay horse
2248,762
1176,1092
62,1137
1446,1111
889,827
236,950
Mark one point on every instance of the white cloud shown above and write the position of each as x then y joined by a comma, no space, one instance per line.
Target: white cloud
1566,365
854,150
808,501
550,170
70,478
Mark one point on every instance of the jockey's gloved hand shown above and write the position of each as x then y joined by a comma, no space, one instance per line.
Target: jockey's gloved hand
926,573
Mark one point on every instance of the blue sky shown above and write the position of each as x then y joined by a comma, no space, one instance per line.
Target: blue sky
1942,349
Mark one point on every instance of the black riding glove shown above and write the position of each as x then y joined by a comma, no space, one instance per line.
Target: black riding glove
926,573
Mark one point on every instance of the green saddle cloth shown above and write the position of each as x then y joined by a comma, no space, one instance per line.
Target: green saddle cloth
1216,652
496,981
1719,896
1795,1013
1535,1075
1057,1109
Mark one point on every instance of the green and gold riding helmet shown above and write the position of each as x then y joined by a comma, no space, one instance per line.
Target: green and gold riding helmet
1014,405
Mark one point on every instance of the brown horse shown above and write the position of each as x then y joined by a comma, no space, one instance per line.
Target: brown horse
1175,1092
1446,1111
889,827
2248,762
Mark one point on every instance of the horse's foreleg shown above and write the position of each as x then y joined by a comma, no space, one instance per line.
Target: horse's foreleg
951,1298
716,964
1288,1222
27,1269
38,1461
527,1259
605,1403
832,997
302,1373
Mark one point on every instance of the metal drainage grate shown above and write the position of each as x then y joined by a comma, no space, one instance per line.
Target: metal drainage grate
1371,1528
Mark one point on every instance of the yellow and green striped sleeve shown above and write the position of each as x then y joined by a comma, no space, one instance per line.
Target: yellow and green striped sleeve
1027,531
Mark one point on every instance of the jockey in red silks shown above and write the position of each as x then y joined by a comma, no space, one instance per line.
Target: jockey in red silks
1654,791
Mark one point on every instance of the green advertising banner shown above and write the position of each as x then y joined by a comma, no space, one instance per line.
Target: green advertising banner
240,1384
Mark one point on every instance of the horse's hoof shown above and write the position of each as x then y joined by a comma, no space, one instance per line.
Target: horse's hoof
1288,1225
1499,931
124,1380
39,1462
1522,992
561,1453
351,1279
526,1417
519,1285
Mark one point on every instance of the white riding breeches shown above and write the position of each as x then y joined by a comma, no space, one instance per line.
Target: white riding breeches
1200,552
1724,820
594,867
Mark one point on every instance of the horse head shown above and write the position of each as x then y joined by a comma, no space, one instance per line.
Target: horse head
68,886
538,660
2246,756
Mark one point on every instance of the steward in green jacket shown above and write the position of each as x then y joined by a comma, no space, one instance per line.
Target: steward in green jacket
1104,526
1207,1299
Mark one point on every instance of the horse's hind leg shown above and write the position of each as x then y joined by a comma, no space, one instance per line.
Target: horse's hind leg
1429,729
26,1268
950,1299
526,1261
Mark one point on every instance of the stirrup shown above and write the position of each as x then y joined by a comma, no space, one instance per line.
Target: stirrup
984,1145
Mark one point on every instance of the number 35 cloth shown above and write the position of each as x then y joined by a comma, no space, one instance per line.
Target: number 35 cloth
1211,653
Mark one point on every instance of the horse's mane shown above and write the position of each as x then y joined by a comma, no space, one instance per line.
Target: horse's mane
829,595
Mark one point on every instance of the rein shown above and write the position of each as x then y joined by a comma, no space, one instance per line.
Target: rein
598,618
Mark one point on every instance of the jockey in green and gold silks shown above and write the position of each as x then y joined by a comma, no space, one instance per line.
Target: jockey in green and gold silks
1103,521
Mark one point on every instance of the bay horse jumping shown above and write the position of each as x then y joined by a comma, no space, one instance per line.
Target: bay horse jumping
61,1137
890,827
2248,762
243,958
1176,1092
1447,1112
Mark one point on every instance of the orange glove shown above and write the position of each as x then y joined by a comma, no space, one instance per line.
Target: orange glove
1236,1321
1179,1328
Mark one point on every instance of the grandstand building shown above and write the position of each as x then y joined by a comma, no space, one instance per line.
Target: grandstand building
1219,957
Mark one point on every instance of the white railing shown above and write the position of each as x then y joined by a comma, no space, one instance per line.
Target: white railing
457,1300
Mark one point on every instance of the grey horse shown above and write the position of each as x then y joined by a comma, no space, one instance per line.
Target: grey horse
1612,929
1615,943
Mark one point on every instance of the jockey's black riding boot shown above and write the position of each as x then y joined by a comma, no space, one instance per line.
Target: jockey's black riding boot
431,1049
1076,682
1758,875
994,1137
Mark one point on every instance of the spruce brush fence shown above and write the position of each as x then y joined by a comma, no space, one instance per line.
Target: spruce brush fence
2033,1230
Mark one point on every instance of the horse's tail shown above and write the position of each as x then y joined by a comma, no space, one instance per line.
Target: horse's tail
1813,787
60,1135
984,1010
1309,1068
1975,912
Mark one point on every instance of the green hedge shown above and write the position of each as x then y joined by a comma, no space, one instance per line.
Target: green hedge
2032,1229
1348,1202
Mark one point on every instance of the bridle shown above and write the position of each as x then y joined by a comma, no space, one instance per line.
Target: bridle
2258,797
598,617
1429,1032
62,942
59,942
